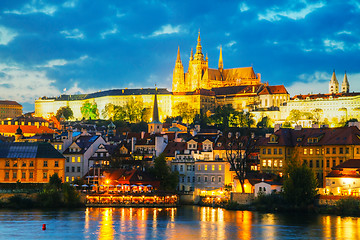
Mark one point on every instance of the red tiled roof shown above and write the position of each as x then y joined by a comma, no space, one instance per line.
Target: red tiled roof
278,89
324,96
8,102
172,147
26,129
351,163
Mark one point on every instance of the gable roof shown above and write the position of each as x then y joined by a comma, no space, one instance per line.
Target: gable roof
28,150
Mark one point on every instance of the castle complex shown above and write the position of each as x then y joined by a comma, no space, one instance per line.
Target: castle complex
204,88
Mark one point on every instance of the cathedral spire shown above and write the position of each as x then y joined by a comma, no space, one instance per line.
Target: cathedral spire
191,55
178,59
345,87
155,117
334,84
199,55
221,65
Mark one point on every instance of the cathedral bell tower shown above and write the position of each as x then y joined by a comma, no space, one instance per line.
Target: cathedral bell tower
197,67
345,87
178,75
155,126
334,84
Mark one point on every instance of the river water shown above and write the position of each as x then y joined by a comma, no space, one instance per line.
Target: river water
188,222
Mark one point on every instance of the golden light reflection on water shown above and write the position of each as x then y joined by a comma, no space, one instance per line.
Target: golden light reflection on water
244,220
106,225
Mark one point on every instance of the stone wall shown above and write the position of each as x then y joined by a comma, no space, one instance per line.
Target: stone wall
242,198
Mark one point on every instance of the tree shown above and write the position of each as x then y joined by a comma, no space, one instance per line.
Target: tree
238,150
300,183
89,110
134,110
185,111
55,181
222,115
264,122
161,171
295,116
64,111
317,115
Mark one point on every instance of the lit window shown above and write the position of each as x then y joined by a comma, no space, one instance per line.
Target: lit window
219,167
264,163
72,159
79,159
280,163
311,151
199,167
72,179
305,151
269,163
205,168
275,163
67,179
213,167
60,147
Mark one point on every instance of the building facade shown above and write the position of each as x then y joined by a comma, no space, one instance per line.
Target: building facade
9,109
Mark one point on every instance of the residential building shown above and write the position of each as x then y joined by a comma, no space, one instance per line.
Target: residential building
78,154
30,162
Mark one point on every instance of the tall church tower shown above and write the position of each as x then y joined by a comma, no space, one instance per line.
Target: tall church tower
155,126
221,64
178,75
334,84
197,67
345,87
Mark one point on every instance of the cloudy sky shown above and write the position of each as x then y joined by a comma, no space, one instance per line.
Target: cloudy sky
50,47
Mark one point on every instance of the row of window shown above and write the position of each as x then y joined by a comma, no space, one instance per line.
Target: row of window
73,159
192,167
272,163
58,147
67,169
23,175
212,178
274,151
318,162
31,164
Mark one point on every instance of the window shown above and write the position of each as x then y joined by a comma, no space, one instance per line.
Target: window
317,163
327,163
213,167
317,151
219,179
78,169
7,164
327,150
220,167
6,175
193,168
14,174
31,164
275,163
23,175
357,150
23,164
67,169
72,179
305,151
264,163
78,159
182,179
67,179
188,167
175,167
205,179
341,150
280,150
269,163
72,169
199,167
199,179
72,159
269,150
264,151
193,179
44,175
181,168
56,164
311,151
212,179
31,175
347,150
67,159
45,163
334,150
311,163
275,150
205,168
60,147
15,164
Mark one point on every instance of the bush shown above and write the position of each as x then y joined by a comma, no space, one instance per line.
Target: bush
348,206
232,205
19,202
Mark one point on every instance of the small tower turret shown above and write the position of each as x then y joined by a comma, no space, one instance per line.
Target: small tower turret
334,84
221,65
178,74
345,87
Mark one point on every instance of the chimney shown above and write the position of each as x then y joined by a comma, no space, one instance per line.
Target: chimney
277,127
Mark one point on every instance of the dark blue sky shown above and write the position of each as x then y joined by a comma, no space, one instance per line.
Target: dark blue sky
51,47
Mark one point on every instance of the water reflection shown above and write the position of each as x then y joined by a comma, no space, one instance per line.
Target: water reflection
171,223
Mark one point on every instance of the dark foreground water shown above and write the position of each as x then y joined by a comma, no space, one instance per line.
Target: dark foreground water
181,223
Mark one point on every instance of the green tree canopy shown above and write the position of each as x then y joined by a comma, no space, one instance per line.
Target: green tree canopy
161,171
89,110
300,183
66,112
185,111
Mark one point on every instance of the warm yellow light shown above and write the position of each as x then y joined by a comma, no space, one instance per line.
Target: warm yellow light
107,181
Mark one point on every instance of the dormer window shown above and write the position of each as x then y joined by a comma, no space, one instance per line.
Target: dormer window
299,139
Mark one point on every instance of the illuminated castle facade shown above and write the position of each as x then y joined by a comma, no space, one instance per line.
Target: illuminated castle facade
200,76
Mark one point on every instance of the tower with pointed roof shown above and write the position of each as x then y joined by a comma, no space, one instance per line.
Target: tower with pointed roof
178,74
334,84
221,64
345,87
155,126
